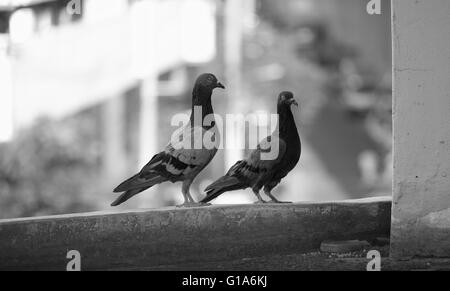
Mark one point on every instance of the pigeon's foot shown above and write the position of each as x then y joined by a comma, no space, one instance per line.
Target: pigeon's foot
273,199
260,200
193,204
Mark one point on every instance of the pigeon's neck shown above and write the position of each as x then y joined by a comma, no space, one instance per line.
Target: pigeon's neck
201,105
286,122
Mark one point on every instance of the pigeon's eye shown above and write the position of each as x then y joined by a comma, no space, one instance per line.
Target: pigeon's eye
287,97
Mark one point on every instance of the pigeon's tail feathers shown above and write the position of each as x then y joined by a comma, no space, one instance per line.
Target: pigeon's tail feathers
224,184
135,185
127,195
140,181
125,184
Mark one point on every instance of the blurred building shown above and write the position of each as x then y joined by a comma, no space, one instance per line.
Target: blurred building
111,73
129,65
115,58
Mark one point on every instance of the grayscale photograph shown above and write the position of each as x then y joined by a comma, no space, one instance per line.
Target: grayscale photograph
224,140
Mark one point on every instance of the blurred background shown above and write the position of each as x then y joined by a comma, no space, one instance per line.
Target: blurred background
86,98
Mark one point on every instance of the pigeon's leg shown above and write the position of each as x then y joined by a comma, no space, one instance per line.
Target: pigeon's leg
268,190
188,200
260,200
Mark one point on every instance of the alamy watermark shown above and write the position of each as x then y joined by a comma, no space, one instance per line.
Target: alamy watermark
374,7
74,7
375,260
74,264
213,131
75,261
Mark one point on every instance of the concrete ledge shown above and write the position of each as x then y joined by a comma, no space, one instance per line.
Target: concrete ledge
145,239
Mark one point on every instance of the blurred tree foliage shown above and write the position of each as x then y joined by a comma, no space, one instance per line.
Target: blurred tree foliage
47,168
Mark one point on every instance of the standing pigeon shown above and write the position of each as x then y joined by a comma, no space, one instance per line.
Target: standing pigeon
257,172
178,162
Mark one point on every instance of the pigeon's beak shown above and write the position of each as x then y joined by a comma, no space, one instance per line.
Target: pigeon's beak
293,102
219,85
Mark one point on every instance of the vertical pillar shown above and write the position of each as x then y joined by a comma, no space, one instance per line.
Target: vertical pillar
421,184
233,62
144,24
148,119
144,34
114,157
6,87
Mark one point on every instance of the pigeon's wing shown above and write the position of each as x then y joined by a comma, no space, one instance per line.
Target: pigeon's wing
249,172
175,163
158,170
260,162
264,159
194,147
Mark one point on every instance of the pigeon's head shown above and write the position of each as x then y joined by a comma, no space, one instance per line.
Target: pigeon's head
286,98
208,81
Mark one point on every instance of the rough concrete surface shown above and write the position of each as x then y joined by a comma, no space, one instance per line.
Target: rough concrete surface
314,261
421,188
344,246
175,237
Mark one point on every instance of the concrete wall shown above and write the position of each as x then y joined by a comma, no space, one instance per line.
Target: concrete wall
421,203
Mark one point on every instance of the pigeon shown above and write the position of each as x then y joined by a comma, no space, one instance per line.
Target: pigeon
183,158
256,171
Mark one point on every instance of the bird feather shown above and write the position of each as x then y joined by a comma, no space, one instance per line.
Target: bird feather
247,173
